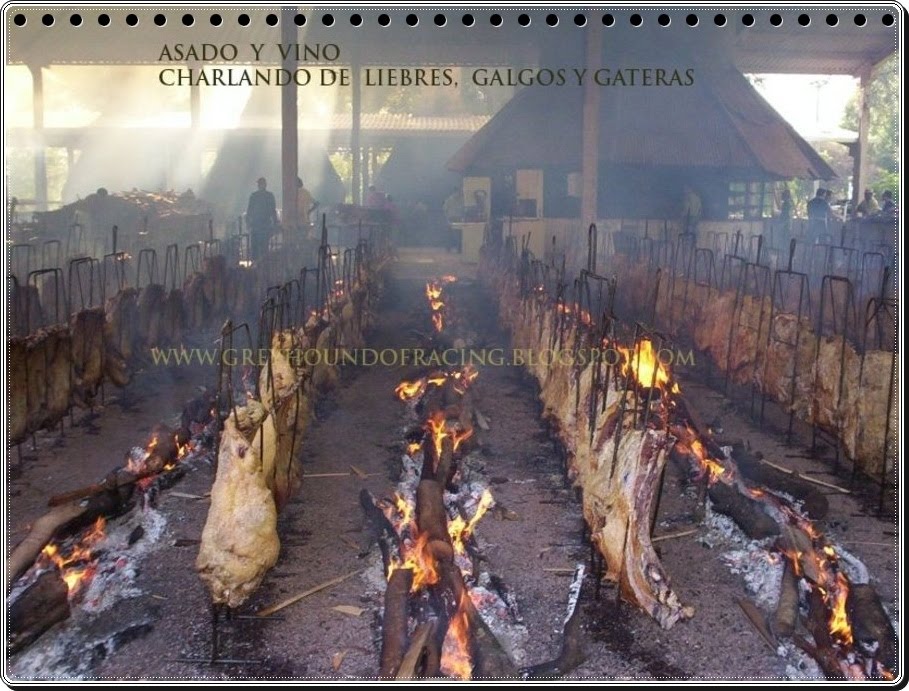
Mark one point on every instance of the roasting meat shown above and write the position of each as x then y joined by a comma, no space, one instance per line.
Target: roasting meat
122,318
173,319
151,327
868,426
279,369
617,504
27,314
240,538
784,362
325,375
87,327
214,271
58,350
195,304
36,373
276,442
53,298
239,290
18,390
617,496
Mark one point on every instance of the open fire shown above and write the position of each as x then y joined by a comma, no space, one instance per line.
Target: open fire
813,558
615,416
434,515
78,565
434,289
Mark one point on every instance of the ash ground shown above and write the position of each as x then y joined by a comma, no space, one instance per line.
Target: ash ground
532,546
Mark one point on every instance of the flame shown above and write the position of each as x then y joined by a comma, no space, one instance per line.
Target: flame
433,291
448,278
463,378
836,600
437,322
460,530
714,469
436,427
458,436
417,557
182,451
643,365
78,567
413,448
407,390
456,660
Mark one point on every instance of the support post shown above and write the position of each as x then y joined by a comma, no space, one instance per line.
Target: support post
289,126
355,152
38,141
590,131
860,150
366,170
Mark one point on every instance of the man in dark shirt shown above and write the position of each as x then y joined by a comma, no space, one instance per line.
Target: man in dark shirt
261,219
818,215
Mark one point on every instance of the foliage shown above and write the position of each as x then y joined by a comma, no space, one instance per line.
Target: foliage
883,132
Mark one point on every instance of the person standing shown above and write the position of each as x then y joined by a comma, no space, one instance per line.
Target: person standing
889,207
261,219
868,206
785,219
818,215
305,206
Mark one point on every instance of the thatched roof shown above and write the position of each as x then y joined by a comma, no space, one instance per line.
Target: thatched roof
719,124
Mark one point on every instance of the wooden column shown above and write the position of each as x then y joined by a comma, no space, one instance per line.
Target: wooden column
289,144
194,150
860,150
38,134
366,171
355,152
590,128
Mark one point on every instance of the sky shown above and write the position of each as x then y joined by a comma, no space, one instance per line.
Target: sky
810,103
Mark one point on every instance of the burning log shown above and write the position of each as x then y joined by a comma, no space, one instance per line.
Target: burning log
761,473
394,622
42,532
37,607
871,627
65,520
415,661
383,531
747,512
787,609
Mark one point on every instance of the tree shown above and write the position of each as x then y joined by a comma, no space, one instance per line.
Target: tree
883,132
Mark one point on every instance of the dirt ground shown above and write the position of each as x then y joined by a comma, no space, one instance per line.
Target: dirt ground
323,533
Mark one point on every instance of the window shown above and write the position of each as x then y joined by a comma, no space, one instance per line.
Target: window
749,200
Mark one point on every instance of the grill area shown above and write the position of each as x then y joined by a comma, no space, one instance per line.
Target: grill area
477,504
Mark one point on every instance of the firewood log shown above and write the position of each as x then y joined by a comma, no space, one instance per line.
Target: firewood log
394,622
36,608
